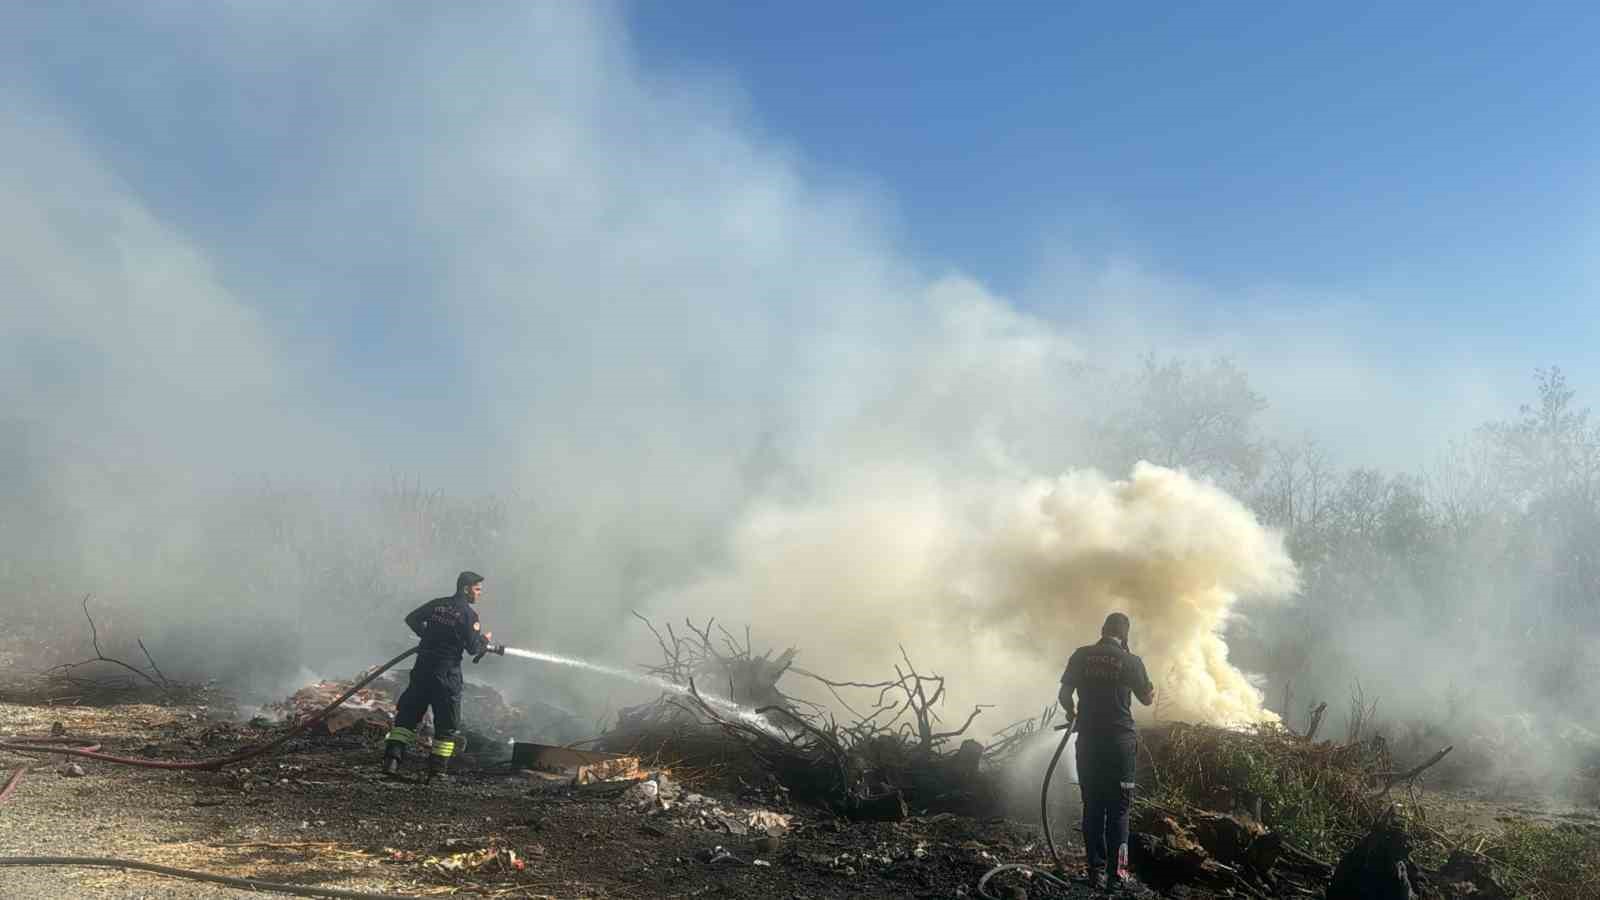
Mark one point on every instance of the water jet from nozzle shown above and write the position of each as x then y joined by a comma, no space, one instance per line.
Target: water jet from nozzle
742,713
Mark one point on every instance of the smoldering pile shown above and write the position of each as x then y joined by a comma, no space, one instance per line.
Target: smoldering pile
369,713
895,756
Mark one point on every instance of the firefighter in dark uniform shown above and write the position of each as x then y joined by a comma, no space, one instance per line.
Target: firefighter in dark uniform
1106,676
448,627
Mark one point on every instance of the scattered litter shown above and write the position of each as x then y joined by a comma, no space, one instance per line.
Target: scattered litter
482,860
642,796
773,823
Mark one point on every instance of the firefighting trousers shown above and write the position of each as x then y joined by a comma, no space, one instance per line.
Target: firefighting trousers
436,688
1105,774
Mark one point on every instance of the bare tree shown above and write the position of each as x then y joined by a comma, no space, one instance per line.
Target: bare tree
1201,418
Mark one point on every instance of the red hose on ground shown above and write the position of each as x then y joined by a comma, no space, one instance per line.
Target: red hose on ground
51,745
11,783
90,750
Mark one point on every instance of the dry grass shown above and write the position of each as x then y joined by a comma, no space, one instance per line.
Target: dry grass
1547,862
1319,795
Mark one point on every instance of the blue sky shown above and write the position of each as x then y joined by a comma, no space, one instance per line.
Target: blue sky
480,213
1439,157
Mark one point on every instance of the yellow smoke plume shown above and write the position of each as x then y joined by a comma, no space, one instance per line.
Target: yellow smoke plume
993,583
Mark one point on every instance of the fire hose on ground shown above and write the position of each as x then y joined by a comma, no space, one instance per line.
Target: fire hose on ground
54,745
1044,823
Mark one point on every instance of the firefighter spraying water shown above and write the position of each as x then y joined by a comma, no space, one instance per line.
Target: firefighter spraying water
448,628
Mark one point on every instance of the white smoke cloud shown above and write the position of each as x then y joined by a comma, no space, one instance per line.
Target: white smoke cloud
719,384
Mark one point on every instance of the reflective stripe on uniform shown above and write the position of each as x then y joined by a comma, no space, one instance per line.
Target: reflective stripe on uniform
444,748
403,735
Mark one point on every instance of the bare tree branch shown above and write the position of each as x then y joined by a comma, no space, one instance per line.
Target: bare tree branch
99,656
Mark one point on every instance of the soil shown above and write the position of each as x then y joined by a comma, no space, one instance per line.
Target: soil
319,813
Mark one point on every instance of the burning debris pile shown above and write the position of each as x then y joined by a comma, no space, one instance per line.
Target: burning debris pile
370,711
883,762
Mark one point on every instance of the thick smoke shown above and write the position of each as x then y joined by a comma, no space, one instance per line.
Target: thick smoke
993,582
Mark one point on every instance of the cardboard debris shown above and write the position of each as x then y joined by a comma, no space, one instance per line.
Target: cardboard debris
655,793
372,708
580,767
624,768
775,824
369,708
487,859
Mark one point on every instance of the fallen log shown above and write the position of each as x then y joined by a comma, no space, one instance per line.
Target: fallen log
1394,778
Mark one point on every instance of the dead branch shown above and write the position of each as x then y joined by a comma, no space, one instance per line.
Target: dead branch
157,669
1361,714
1316,713
703,635
100,657
871,686
1410,775
1009,739
946,735
914,684
669,654
734,650
827,741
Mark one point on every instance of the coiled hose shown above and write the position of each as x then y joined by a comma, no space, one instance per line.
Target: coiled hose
1044,821
54,745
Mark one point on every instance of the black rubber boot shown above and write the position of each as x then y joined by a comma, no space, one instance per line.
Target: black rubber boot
438,769
393,753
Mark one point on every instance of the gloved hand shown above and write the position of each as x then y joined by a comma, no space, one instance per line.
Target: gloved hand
1069,713
496,649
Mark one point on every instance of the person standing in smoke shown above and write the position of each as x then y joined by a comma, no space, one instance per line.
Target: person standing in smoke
448,627
1106,676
